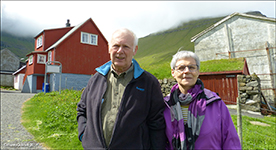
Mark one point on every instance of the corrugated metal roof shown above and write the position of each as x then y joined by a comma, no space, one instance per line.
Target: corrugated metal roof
23,67
33,52
7,72
222,72
227,18
66,35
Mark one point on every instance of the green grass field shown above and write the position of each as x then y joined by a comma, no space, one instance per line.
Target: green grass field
7,87
51,118
161,69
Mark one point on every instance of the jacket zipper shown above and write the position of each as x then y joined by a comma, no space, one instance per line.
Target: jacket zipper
120,110
100,118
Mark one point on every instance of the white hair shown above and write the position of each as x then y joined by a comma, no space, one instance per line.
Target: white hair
184,54
125,30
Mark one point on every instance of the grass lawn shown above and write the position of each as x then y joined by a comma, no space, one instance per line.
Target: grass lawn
256,136
7,88
51,118
161,69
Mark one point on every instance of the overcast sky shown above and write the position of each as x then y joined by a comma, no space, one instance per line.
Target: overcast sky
142,17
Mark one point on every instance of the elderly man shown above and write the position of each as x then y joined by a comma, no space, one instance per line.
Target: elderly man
122,105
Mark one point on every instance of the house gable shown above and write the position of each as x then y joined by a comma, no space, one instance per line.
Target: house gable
254,17
77,57
234,33
9,61
68,34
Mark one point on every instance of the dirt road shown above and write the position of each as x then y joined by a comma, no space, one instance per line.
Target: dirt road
13,134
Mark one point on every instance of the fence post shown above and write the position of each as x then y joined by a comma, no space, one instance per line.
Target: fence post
239,120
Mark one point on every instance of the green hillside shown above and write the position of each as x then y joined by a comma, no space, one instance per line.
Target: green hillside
222,65
20,46
156,50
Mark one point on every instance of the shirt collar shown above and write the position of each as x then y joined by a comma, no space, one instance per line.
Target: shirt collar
124,73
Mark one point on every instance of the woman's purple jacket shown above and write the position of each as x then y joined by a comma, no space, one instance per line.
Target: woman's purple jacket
217,130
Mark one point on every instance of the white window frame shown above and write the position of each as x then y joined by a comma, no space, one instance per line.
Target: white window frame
41,59
84,37
91,39
50,56
31,59
39,42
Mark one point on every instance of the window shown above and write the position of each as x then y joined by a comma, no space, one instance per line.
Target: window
84,38
41,59
93,39
30,59
50,56
88,38
39,42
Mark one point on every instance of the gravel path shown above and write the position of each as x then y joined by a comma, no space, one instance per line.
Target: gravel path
13,134
233,111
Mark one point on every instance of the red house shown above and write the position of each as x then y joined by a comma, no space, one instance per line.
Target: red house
79,49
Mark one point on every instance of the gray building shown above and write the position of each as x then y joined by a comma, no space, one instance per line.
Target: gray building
9,64
243,35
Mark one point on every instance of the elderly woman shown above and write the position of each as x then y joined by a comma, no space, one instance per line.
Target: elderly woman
196,117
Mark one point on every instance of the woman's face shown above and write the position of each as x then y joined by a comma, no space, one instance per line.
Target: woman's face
186,72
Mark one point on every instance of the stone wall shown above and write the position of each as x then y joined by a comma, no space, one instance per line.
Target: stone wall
249,92
166,85
6,80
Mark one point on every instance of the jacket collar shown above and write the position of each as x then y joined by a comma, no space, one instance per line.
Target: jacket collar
210,96
106,67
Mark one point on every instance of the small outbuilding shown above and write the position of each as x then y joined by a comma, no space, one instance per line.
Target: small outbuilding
18,78
9,64
220,76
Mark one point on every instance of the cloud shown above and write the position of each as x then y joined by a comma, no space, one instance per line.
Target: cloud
28,18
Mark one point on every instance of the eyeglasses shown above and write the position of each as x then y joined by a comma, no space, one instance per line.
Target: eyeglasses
182,68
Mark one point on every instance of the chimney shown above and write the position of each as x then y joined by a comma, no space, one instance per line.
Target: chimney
68,24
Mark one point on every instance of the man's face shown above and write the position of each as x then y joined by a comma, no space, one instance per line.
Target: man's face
121,51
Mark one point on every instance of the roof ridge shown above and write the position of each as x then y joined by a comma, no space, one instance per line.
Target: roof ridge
225,19
66,35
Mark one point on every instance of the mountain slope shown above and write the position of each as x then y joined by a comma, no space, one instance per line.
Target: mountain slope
156,50
20,46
